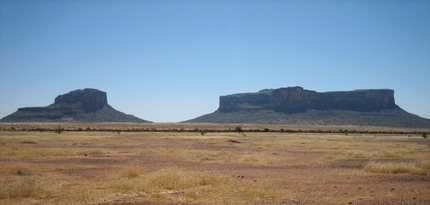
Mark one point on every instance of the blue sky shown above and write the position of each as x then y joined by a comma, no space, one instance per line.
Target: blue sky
169,61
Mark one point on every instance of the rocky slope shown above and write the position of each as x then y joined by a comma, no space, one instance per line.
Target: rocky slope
295,105
87,105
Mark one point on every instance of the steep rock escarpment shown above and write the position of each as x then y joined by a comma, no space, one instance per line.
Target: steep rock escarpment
295,105
87,105
297,99
244,101
90,99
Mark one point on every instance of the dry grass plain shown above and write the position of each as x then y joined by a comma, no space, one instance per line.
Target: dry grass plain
107,167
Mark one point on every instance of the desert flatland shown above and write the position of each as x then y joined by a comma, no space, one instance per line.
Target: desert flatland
180,163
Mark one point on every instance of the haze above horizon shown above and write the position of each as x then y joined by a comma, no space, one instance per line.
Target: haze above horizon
169,61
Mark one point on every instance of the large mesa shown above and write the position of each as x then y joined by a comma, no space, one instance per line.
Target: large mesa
297,99
87,105
295,105
91,100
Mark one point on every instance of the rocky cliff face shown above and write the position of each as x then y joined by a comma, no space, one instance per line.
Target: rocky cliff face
297,106
87,105
297,99
245,101
90,99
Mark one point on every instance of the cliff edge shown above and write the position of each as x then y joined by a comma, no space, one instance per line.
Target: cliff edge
87,105
297,99
295,105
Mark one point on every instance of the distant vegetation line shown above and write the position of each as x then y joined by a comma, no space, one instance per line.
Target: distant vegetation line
238,129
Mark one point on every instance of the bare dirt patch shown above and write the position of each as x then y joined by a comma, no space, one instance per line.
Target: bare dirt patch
191,168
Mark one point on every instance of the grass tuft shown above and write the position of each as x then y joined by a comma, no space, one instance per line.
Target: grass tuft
424,164
166,183
28,187
171,179
394,168
90,152
370,154
131,172
20,171
329,157
28,142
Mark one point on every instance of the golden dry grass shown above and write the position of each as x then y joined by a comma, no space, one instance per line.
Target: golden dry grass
40,152
424,164
372,154
171,183
20,170
94,167
28,142
27,187
394,168
131,172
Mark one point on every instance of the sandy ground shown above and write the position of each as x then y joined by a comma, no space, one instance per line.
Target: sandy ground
307,168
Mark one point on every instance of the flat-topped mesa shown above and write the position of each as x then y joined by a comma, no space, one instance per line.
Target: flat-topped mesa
244,101
91,99
297,99
87,105
297,106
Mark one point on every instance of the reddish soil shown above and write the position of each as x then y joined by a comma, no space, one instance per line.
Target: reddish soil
303,172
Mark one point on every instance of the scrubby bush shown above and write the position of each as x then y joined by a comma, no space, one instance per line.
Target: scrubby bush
59,130
238,129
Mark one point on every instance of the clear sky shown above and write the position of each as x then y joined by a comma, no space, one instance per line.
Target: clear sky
169,61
